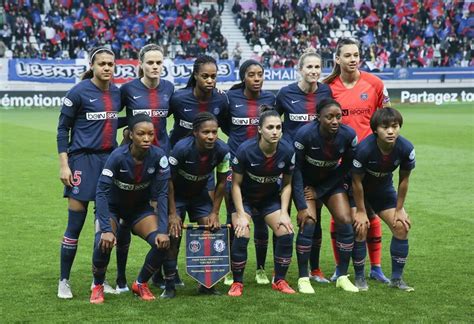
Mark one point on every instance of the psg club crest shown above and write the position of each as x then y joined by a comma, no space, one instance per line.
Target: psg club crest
207,254
364,96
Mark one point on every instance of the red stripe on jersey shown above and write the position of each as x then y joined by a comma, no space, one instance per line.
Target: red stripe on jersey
310,104
203,106
138,173
154,104
207,268
252,107
108,130
203,162
269,164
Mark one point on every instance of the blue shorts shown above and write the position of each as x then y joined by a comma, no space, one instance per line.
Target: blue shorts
211,182
128,218
196,207
86,169
384,200
324,192
261,209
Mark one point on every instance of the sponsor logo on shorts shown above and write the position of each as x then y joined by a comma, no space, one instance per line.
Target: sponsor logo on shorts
103,115
302,117
185,124
173,160
75,190
219,246
151,112
194,246
356,163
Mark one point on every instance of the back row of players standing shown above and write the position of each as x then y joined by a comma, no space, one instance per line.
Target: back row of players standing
89,116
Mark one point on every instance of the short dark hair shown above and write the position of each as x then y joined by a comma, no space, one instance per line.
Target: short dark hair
201,118
326,102
385,116
200,61
138,118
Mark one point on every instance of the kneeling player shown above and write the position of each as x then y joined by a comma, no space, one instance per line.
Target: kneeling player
124,189
377,157
257,167
193,160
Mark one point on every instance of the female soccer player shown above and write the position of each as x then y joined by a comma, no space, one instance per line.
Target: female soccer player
257,167
86,135
199,95
149,94
242,117
360,95
324,152
297,102
377,157
130,176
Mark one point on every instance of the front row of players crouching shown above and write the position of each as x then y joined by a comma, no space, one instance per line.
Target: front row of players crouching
257,168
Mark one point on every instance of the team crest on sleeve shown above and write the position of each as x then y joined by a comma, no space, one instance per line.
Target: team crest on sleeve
356,163
293,158
385,95
235,160
216,111
107,173
364,96
173,161
412,155
164,162
354,141
281,165
67,102
299,146
151,170
227,157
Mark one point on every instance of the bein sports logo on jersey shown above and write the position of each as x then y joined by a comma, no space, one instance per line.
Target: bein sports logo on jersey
103,115
245,121
151,112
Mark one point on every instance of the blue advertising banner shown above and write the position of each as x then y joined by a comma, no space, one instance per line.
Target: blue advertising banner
34,70
207,254
182,70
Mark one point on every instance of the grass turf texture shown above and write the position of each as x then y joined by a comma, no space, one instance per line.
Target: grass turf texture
440,202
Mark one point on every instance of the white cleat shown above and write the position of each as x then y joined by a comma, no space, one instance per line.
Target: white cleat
64,289
121,290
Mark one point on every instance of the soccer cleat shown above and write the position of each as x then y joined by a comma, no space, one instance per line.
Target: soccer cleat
142,291
177,280
108,289
361,283
97,294
400,284
228,279
208,291
157,280
377,274
318,276
236,289
261,277
168,293
335,275
121,290
304,286
282,286
64,289
344,283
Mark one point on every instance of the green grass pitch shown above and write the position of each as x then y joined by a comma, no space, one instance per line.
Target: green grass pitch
440,202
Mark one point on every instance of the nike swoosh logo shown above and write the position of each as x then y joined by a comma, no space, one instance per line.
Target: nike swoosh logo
295,101
187,109
372,162
315,148
237,106
136,97
123,170
254,164
92,100
189,162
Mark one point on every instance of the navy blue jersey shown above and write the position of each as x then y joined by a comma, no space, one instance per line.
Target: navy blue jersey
125,185
90,114
298,108
260,173
377,167
191,169
184,106
322,161
242,116
154,102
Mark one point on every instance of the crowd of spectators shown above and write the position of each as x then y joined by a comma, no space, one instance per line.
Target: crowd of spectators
69,28
393,33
